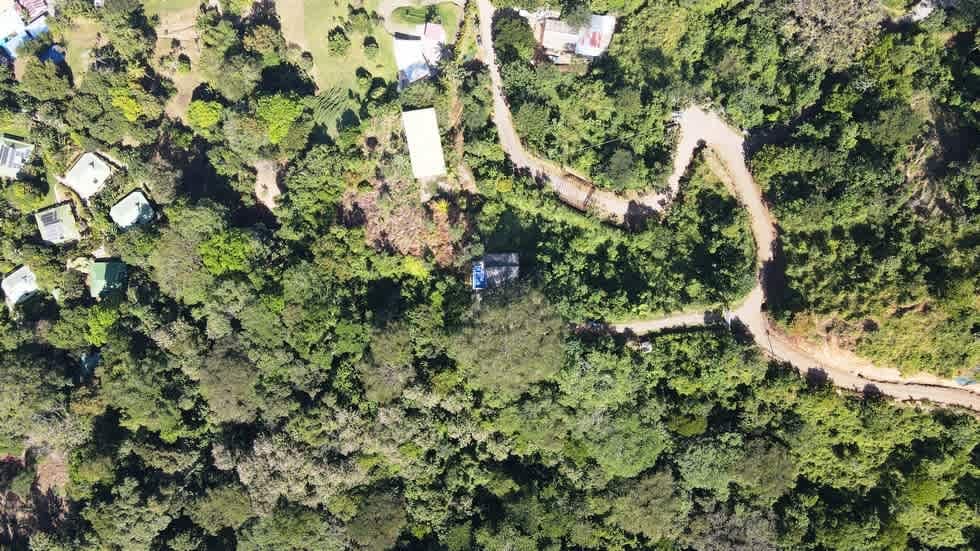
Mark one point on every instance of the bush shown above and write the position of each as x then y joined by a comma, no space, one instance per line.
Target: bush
338,42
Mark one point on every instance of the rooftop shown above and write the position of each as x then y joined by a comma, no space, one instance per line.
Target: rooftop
13,156
494,270
133,209
18,285
88,175
424,143
106,276
410,60
57,224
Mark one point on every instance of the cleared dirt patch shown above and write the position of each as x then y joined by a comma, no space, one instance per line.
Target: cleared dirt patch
80,39
267,183
395,220
52,473
177,37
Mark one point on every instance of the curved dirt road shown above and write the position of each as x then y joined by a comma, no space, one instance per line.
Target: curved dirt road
697,127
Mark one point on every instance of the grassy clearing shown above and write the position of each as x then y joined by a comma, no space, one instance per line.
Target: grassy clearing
307,23
79,40
165,7
446,14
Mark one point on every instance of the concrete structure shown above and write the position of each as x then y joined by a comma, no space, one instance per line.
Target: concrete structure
105,276
57,224
13,155
133,209
18,285
424,143
88,175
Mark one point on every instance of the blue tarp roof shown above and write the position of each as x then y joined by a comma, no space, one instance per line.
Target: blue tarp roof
479,276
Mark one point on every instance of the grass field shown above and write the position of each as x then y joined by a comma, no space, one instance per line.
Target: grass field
307,22
79,40
162,7
447,14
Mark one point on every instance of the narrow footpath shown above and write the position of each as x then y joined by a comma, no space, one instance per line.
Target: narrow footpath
698,127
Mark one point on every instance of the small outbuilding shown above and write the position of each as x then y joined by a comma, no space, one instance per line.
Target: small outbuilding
88,175
132,210
424,143
495,270
106,276
13,156
57,224
18,285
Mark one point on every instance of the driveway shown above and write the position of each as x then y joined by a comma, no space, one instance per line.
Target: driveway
698,126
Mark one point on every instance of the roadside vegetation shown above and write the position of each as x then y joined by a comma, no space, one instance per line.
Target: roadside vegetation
317,374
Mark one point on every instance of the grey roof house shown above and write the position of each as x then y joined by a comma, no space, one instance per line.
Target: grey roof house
57,224
132,210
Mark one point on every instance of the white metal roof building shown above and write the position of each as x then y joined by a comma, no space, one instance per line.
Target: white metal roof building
13,156
88,175
131,210
410,60
18,285
424,143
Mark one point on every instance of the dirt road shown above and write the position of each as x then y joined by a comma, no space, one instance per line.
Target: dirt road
698,126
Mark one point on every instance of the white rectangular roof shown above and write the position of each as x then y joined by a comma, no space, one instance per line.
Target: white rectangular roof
424,144
18,285
410,60
88,175
57,224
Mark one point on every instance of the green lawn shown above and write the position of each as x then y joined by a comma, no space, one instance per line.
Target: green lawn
163,7
307,23
447,14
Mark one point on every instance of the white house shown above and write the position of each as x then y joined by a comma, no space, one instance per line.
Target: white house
131,210
88,175
13,156
18,285
424,143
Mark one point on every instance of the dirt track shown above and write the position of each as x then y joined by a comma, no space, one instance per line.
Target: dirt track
698,126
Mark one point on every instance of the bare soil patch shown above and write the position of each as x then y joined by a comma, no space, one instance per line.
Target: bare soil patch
177,36
394,219
52,473
267,183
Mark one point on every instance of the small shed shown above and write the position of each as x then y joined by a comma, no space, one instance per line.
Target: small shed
106,276
57,224
424,143
495,270
132,210
18,285
13,156
88,175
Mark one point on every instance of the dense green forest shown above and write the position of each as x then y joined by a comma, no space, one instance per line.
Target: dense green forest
320,375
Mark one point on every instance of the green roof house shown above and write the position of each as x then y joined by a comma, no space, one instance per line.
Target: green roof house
106,276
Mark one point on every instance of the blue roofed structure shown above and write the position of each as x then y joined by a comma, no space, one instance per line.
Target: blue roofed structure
479,276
